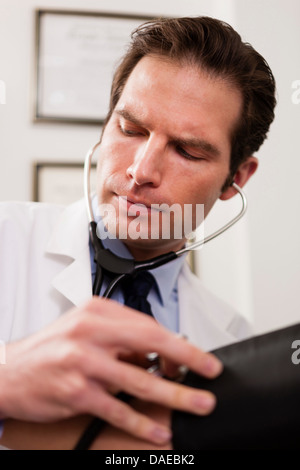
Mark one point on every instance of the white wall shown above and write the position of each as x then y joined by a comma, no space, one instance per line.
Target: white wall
255,266
274,29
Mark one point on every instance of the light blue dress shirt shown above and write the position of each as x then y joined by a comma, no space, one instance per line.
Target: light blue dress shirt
163,296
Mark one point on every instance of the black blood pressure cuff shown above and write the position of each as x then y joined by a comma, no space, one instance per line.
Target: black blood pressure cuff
258,398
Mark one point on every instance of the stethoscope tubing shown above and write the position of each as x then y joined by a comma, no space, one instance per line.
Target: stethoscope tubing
190,247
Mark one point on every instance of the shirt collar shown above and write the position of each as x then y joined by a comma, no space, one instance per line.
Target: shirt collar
165,275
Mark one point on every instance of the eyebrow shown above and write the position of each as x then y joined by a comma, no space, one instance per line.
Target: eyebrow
193,142
128,116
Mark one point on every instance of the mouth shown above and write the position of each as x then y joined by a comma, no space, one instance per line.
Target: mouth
136,207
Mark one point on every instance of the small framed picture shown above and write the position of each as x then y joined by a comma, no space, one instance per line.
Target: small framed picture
76,54
59,183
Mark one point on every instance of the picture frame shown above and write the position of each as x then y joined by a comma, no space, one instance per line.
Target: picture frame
59,182
76,53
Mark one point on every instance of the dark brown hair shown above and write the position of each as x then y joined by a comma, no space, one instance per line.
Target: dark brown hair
215,47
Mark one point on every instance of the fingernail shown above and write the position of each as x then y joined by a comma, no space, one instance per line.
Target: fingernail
212,365
161,435
206,402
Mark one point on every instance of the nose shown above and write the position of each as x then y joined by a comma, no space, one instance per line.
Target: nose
147,166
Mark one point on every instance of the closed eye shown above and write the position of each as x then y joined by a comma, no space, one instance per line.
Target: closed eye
185,154
127,132
130,130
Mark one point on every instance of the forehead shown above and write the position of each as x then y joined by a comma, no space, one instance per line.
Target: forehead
169,95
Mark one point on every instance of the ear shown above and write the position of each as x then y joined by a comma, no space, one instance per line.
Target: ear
244,172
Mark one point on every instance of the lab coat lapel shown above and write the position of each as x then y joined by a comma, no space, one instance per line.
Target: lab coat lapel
203,319
69,243
189,324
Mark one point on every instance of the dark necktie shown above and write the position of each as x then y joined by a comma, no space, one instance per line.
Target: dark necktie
136,289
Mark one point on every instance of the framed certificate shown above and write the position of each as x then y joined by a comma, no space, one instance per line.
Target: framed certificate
59,182
76,53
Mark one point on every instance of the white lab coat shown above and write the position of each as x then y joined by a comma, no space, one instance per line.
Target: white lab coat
45,271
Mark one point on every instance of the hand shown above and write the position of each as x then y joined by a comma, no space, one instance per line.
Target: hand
72,366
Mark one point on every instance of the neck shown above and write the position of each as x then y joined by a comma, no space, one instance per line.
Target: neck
143,252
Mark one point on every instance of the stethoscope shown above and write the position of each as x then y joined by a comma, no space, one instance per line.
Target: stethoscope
114,266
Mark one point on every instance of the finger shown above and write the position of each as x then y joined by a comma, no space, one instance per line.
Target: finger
141,333
145,335
139,383
172,370
123,416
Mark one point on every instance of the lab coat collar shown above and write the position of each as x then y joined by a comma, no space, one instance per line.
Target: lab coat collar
70,240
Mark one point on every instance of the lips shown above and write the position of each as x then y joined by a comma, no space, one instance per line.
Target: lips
136,202
133,208
133,205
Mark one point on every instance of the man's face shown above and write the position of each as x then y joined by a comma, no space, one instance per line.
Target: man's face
168,141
